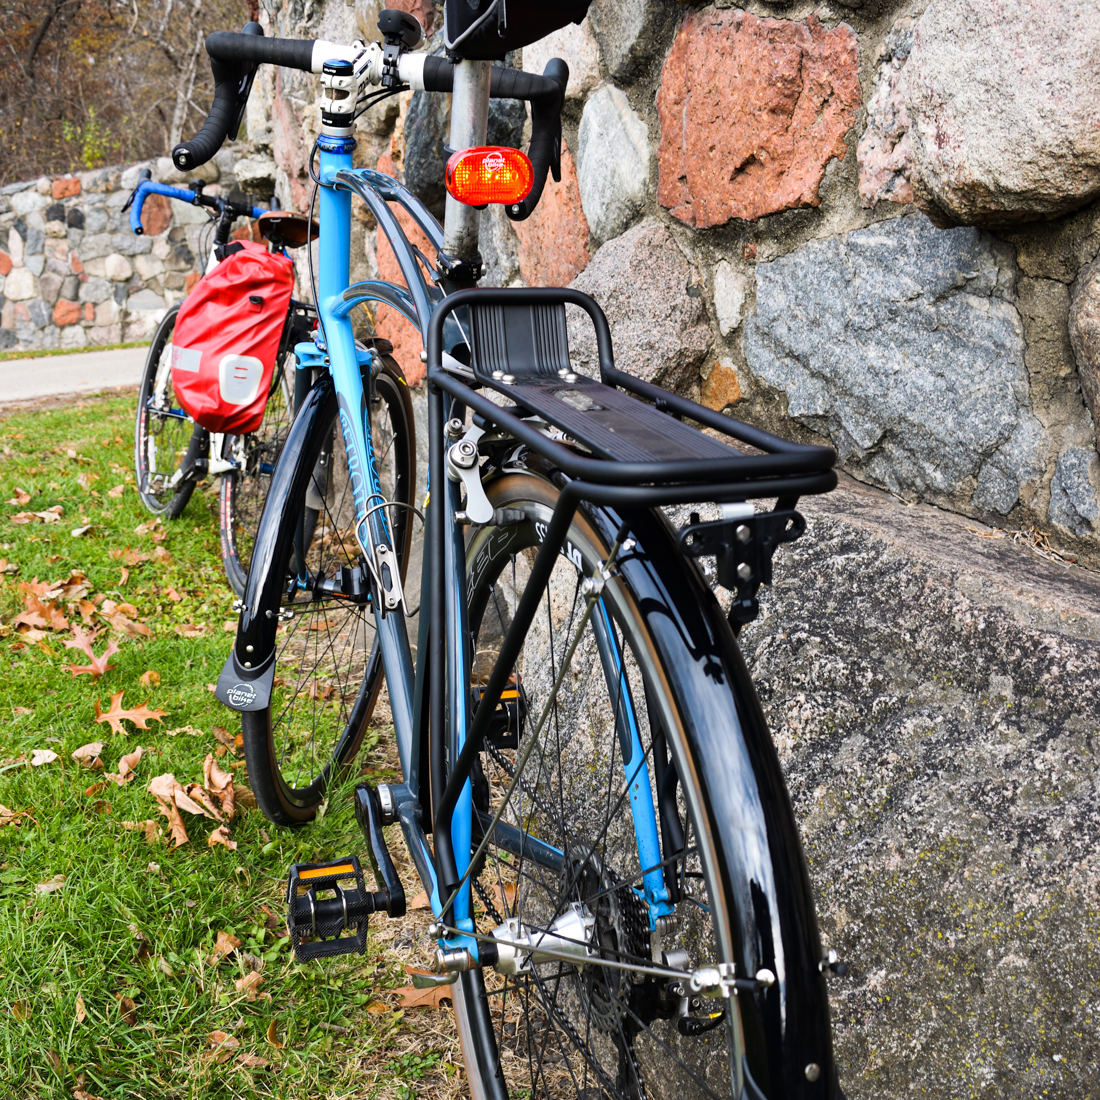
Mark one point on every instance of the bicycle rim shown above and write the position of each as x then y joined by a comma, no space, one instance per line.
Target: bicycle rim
564,1030
161,431
327,668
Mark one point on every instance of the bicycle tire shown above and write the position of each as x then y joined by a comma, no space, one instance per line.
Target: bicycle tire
243,490
161,437
581,1030
328,669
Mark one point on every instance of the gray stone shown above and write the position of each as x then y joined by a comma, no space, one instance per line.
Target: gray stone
613,162
934,698
25,202
95,290
256,175
144,299
427,124
19,285
130,245
1084,334
49,286
55,212
35,264
73,336
1075,491
659,328
40,312
164,171
901,344
629,32
8,339
96,245
730,288
498,245
35,241
120,291
575,45
70,288
95,219
992,116
15,188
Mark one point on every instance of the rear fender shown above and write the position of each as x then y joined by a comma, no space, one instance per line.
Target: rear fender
767,917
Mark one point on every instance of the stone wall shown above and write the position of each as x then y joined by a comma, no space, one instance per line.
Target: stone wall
880,217
73,275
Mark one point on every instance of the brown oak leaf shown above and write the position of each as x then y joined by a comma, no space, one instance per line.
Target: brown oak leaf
117,714
411,997
150,678
98,665
122,617
88,755
221,836
225,945
176,827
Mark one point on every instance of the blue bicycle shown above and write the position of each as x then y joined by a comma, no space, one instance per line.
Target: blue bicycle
589,792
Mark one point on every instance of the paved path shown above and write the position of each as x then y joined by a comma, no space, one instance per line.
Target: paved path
26,379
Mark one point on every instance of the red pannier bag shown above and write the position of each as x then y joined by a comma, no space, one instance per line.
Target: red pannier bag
227,337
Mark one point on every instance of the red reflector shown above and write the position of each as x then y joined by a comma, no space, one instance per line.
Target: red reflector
489,173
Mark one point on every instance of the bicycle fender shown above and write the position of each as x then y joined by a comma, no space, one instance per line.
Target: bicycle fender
769,919
247,678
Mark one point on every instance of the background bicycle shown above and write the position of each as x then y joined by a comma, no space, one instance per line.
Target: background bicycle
172,453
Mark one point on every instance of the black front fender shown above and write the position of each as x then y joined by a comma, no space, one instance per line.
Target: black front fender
246,679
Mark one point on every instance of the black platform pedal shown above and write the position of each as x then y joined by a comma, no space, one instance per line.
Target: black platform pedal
368,812
328,907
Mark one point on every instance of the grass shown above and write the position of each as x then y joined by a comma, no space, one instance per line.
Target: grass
42,353
136,920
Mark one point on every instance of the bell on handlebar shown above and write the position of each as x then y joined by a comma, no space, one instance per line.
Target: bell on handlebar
489,174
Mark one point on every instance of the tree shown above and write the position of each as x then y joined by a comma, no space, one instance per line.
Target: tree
90,82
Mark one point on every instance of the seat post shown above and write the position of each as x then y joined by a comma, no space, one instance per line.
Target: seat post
469,124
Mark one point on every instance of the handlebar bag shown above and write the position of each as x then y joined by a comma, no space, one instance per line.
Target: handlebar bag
513,25
227,338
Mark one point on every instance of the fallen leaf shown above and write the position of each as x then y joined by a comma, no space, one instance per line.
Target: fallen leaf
421,901
20,711
147,528
94,789
52,886
87,752
127,1010
19,1010
175,823
225,945
116,715
117,491
245,799
128,556
222,1046
80,532
8,566
173,595
150,828
189,630
378,1008
411,997
123,576
11,817
121,616
127,763
98,665
22,517
149,678
272,921
81,1012
249,984
102,806
252,1061
221,836
271,1038
51,515
213,778
87,611
80,1094
42,756
199,800
55,1060
21,497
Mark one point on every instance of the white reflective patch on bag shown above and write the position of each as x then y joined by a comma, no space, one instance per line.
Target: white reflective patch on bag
187,359
240,377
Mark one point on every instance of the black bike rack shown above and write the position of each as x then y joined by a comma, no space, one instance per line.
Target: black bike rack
641,456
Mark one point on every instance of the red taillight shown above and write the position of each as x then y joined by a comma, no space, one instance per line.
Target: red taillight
489,173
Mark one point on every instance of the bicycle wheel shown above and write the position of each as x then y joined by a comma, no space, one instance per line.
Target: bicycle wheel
162,431
244,489
327,667
574,852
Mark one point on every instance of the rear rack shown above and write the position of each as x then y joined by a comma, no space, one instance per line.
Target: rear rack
644,455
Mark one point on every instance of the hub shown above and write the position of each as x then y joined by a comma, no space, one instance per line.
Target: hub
568,939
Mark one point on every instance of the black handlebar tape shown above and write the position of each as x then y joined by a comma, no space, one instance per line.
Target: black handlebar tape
245,49
545,93
231,55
